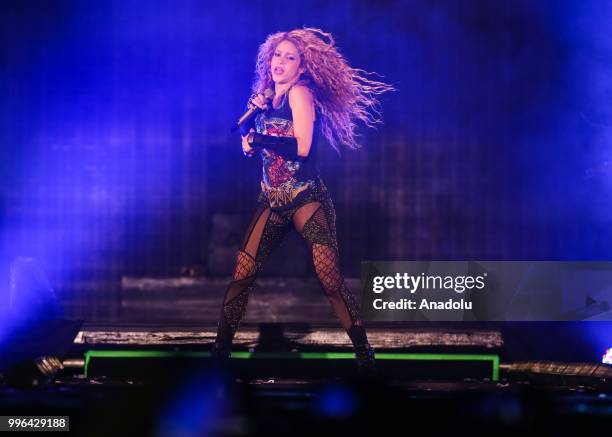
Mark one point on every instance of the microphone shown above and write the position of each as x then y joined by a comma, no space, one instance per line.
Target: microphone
268,94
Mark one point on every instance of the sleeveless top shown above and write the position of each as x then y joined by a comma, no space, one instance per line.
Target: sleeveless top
286,183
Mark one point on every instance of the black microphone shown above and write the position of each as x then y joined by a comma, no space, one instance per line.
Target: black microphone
268,94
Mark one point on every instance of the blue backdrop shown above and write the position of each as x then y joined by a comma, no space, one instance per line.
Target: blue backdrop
116,157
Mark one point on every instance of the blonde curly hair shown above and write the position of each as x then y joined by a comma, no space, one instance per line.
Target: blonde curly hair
343,95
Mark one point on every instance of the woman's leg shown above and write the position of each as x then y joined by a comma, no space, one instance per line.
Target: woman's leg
265,232
316,222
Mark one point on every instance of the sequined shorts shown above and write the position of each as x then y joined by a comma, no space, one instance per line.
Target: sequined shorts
316,192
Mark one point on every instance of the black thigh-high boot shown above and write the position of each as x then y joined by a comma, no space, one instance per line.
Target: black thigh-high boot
266,231
316,222
364,352
234,305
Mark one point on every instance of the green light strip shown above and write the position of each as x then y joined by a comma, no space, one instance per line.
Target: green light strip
298,355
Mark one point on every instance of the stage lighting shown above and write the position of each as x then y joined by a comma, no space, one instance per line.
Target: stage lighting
31,294
336,401
33,373
34,335
32,355
607,358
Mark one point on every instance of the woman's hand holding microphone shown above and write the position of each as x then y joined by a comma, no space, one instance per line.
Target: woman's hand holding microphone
258,100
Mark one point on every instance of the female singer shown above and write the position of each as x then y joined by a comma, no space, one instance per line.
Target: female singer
315,92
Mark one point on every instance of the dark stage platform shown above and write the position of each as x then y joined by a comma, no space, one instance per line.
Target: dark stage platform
299,379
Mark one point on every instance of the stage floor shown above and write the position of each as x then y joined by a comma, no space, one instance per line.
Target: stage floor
226,407
299,379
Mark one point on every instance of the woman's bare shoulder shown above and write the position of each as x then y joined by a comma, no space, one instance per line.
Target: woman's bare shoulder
300,92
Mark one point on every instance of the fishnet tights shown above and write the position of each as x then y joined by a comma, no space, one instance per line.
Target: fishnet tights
315,221
316,228
343,302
